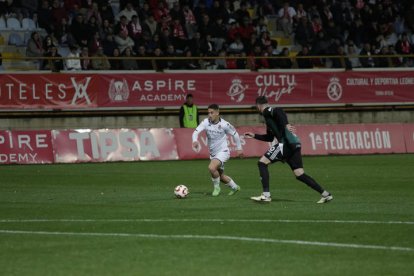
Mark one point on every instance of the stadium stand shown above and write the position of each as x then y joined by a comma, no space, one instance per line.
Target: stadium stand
322,26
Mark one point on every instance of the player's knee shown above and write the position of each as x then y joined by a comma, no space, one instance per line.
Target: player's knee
298,172
212,168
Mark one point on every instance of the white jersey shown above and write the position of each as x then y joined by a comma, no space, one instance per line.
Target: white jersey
217,135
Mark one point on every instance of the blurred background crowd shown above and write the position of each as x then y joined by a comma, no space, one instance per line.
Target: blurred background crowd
210,34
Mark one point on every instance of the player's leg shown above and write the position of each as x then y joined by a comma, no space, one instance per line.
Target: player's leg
264,174
224,156
229,182
274,154
213,167
296,164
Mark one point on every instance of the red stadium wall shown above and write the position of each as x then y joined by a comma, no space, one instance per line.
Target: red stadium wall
105,145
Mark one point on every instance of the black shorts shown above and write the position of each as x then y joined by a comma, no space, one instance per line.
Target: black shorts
294,158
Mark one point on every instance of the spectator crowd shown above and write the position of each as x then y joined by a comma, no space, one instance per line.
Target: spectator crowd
218,34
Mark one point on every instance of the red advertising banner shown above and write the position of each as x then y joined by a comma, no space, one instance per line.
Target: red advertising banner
26,147
351,139
85,145
104,145
49,90
107,90
409,137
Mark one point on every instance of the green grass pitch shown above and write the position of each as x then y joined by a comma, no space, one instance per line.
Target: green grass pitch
123,219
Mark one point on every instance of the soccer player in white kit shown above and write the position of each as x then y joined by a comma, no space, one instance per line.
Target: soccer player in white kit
216,130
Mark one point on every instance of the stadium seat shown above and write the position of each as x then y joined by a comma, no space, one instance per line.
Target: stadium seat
15,39
283,41
252,12
28,24
13,24
26,38
292,54
272,24
3,25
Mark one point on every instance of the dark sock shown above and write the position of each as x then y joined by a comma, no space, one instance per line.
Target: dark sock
310,182
264,175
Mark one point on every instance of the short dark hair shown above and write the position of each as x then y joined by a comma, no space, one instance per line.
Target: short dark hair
213,106
189,96
261,100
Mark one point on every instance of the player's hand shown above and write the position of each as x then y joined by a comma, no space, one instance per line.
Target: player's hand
196,146
249,134
240,153
291,128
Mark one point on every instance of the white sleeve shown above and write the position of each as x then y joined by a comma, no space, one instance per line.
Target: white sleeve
237,140
198,130
230,129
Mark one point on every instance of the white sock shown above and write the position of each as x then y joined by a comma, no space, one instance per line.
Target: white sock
216,182
266,194
325,193
232,184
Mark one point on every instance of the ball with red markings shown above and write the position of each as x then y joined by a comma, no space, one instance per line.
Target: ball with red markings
181,191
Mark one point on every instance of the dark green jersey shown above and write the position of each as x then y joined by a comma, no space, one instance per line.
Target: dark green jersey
276,121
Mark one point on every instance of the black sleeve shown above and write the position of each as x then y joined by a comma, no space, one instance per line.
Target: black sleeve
268,137
181,116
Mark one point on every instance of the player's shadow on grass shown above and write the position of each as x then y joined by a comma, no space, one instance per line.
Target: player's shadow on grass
202,193
208,194
282,200
276,200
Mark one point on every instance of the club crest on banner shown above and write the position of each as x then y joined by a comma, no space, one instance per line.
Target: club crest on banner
118,90
236,90
334,90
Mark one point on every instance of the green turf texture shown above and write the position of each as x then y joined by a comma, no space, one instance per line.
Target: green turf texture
366,188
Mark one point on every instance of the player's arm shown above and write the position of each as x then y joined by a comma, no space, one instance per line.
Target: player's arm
200,128
268,137
238,144
233,132
291,128
289,131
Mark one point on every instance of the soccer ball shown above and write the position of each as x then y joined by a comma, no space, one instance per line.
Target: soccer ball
181,191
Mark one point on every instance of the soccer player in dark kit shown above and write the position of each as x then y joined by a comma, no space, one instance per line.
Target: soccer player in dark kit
287,149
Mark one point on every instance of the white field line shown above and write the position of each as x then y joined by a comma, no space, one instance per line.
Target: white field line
208,237
211,220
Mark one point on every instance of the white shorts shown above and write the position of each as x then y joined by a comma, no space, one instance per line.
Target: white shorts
223,156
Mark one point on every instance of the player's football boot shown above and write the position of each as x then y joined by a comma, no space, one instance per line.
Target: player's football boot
216,191
325,199
234,191
261,198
